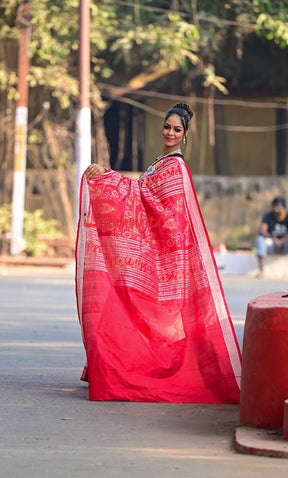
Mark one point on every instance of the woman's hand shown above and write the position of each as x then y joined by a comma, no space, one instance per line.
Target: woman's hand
93,170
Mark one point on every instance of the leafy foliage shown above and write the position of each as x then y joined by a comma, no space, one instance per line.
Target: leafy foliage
35,227
215,46
129,38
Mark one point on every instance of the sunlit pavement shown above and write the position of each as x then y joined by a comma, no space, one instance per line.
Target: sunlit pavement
50,429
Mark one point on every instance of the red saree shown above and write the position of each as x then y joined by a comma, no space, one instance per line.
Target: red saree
154,320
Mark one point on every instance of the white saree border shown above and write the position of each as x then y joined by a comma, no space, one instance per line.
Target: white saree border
195,216
80,245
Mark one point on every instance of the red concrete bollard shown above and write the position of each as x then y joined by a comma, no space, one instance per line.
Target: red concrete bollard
264,382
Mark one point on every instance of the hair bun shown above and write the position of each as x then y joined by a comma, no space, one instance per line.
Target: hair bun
184,106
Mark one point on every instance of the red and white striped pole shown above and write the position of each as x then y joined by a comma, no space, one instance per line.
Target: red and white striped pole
20,142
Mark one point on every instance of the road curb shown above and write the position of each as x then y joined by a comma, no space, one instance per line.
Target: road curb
9,261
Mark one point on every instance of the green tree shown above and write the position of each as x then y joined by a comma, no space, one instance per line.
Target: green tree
132,44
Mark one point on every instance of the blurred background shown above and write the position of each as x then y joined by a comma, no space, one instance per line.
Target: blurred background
228,60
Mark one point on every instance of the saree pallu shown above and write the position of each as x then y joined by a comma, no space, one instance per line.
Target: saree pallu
154,320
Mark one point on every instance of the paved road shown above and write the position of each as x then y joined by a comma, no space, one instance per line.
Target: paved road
50,429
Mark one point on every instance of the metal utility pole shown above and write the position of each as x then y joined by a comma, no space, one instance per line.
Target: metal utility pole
83,138
20,144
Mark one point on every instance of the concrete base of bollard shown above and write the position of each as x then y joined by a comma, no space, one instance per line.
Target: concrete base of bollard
285,421
257,441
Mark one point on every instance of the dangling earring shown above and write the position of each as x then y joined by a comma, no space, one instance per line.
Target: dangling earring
184,140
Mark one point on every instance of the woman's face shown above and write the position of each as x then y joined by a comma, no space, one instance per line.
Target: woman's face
172,132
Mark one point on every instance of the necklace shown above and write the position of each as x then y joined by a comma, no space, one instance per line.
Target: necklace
168,154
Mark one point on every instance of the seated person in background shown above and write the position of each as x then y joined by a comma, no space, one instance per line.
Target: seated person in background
273,231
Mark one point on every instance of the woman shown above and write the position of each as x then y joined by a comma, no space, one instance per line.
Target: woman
154,320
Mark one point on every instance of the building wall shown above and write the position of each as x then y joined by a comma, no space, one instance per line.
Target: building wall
250,152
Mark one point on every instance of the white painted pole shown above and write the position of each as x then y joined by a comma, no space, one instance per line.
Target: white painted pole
18,199
83,135
83,145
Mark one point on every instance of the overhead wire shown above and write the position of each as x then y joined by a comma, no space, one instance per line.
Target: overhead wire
120,90
239,103
223,127
201,18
